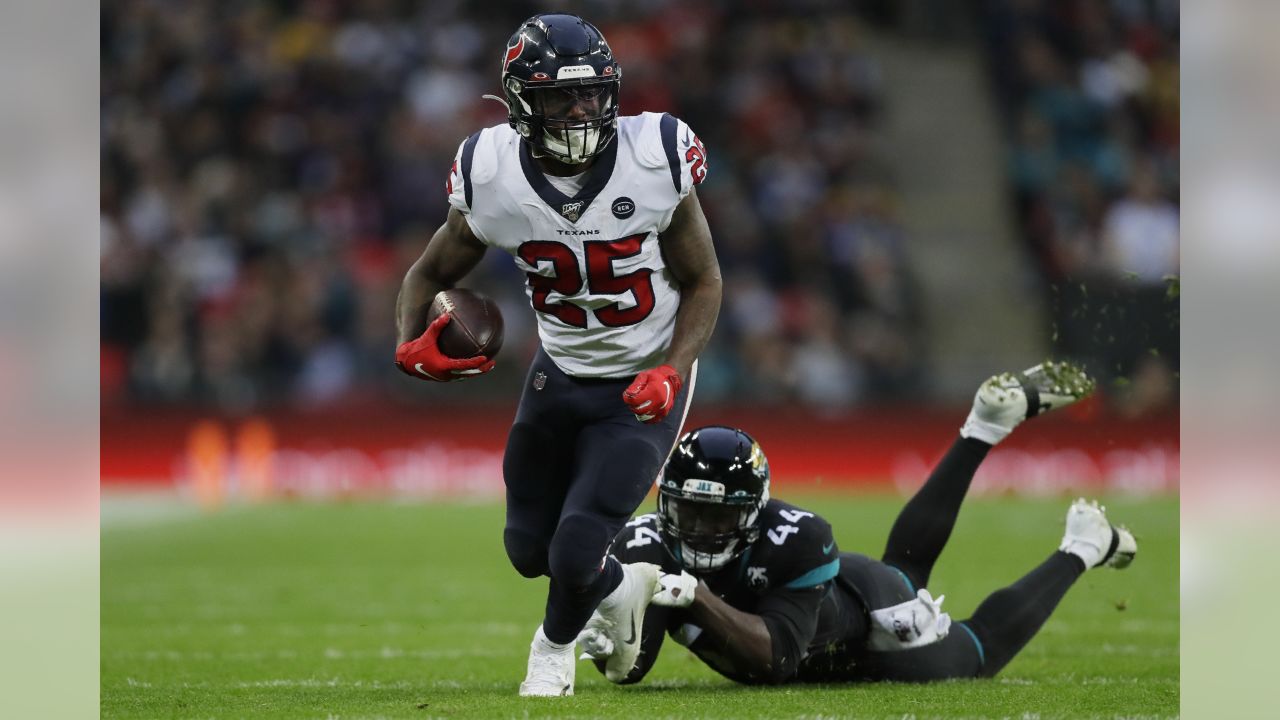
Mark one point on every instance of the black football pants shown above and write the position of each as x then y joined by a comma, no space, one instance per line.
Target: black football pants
978,646
577,466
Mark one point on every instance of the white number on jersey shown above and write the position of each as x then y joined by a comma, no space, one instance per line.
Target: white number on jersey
601,280
794,515
780,534
644,536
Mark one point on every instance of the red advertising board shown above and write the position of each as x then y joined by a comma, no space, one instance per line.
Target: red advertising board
458,451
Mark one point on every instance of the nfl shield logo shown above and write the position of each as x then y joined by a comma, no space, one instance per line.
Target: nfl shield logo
571,210
539,380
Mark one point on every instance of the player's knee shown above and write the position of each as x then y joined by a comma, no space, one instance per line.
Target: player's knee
577,551
528,554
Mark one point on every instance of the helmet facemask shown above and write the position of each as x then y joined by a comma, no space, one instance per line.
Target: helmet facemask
569,123
706,533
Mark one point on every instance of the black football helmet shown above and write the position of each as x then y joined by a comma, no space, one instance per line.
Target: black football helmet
561,83
710,497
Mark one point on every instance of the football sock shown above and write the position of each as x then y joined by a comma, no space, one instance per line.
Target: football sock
925,523
1010,617
543,644
568,611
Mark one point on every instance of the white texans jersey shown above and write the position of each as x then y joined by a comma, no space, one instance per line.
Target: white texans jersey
603,295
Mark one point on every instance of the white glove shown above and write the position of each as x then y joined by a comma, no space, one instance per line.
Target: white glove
911,624
595,644
675,590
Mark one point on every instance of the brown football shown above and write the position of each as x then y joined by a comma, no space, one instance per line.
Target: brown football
476,327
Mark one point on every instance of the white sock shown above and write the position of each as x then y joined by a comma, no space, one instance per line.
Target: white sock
979,429
541,642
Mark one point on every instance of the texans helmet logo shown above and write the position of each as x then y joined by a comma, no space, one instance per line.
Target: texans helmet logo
513,52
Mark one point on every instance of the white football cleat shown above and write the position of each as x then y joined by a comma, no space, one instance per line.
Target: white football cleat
1093,539
551,669
620,619
1005,400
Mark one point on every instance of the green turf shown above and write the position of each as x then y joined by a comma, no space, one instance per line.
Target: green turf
411,610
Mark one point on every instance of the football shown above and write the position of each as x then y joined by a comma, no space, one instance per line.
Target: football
476,327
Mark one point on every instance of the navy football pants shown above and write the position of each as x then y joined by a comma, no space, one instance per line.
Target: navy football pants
577,466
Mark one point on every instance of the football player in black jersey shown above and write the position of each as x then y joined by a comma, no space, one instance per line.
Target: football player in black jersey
757,589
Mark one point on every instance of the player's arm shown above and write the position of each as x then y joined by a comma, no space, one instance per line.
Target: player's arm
764,647
687,247
451,253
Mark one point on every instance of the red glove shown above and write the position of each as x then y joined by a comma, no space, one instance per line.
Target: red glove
653,393
422,358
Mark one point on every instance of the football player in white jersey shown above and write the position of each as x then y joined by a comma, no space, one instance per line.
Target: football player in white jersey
599,210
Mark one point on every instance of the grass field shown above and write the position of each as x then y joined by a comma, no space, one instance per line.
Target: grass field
411,611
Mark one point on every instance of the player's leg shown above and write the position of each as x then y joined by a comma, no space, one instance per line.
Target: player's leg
537,467
1001,404
983,644
1007,620
617,462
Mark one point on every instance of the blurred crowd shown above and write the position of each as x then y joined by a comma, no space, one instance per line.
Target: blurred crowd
271,169
1089,95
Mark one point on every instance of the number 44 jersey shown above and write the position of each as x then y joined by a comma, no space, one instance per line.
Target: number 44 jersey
603,295
795,551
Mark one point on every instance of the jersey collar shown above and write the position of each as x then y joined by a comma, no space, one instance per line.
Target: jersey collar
570,208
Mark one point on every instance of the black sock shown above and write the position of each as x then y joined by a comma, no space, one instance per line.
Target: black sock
924,525
569,611
1008,619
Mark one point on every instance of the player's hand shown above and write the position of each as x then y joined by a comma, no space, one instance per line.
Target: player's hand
675,590
653,393
911,624
595,644
422,358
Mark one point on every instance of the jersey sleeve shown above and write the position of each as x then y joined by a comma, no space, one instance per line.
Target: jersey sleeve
801,550
458,184
791,614
670,146
461,182
801,562
686,156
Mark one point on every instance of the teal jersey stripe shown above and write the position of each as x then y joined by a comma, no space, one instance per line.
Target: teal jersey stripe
911,587
982,655
816,576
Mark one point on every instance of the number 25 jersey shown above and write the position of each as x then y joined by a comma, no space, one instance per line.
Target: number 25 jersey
601,290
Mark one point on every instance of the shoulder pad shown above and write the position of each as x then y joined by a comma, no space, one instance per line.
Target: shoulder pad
475,164
640,541
797,546
643,133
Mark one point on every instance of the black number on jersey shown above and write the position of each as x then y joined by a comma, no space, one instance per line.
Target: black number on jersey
601,280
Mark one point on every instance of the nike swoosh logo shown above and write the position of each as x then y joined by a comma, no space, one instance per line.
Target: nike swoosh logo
418,367
633,630
826,549
686,135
